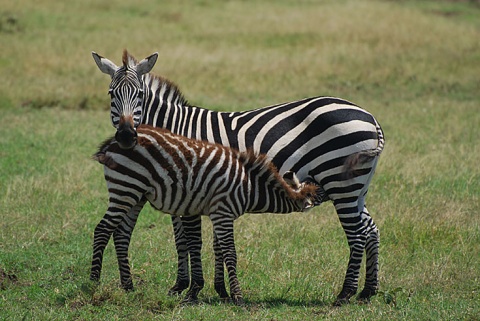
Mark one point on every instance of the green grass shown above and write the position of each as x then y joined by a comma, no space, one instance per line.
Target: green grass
414,64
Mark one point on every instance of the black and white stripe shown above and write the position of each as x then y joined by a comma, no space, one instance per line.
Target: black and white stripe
313,137
186,177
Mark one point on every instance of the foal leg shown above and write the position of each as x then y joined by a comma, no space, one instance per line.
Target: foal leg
181,244
219,280
121,239
103,231
223,229
193,231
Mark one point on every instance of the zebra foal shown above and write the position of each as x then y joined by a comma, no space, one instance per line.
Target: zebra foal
185,177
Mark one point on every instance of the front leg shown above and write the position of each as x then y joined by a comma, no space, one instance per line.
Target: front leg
181,245
219,280
103,232
121,239
193,231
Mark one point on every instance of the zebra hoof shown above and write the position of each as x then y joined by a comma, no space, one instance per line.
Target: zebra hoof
344,297
339,302
192,293
95,277
189,300
222,291
178,288
366,294
128,287
238,300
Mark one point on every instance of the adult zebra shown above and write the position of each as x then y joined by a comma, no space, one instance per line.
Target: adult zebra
313,137
187,177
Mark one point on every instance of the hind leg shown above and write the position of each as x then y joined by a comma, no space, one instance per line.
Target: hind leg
356,237
371,251
362,235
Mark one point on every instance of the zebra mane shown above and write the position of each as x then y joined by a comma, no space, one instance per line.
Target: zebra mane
130,61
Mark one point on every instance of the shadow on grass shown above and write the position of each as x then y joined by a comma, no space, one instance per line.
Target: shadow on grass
275,302
279,302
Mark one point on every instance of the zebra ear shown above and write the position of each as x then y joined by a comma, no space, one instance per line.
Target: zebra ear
105,65
147,64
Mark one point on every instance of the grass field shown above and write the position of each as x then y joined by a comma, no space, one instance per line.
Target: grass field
414,64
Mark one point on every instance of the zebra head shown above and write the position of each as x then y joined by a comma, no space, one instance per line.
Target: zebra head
126,92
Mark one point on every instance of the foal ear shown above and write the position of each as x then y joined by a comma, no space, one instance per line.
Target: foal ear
147,64
292,180
105,65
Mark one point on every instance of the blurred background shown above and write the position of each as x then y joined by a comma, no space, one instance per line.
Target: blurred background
242,54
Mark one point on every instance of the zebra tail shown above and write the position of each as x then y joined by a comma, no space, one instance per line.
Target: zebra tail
365,156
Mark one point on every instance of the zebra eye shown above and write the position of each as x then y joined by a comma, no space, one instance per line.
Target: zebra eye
110,91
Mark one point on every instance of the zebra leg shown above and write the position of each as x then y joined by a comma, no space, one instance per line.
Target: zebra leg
219,280
223,229
355,231
181,244
193,231
103,231
121,239
371,251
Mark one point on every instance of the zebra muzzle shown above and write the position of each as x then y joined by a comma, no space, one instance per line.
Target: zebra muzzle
126,135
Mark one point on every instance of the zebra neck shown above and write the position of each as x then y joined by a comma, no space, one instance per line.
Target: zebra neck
163,104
